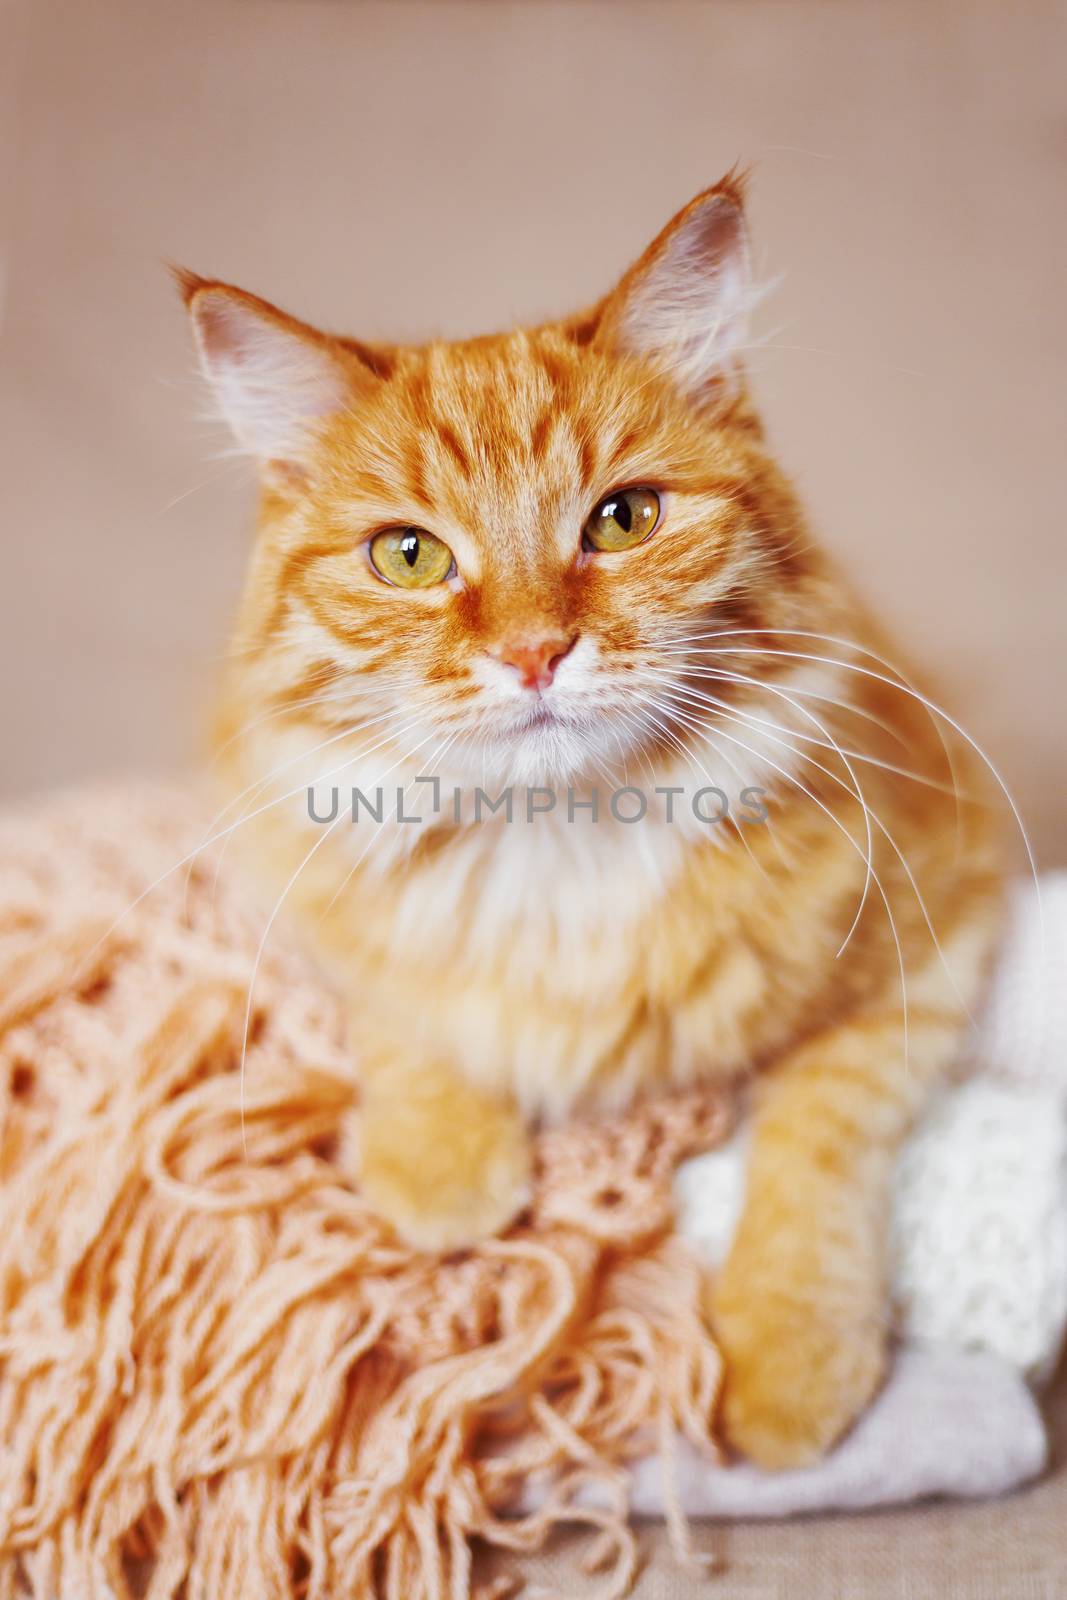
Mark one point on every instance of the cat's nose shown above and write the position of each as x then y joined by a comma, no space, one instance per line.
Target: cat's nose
535,660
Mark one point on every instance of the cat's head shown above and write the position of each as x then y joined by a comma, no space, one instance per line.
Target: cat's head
512,545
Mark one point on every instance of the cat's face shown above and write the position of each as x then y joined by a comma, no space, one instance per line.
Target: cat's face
511,546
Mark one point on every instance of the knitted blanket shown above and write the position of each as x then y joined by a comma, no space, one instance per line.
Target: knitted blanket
220,1375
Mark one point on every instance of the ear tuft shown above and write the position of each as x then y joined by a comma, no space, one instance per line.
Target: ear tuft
186,282
685,303
733,185
274,378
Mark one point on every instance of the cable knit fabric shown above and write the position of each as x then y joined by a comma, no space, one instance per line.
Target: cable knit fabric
1022,1037
980,1226
980,1215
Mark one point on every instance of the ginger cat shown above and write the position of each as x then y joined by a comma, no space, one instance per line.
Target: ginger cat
563,558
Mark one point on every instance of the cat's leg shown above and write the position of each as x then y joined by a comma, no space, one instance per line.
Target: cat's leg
800,1307
444,1162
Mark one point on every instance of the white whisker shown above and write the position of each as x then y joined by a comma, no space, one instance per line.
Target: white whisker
873,815
837,823
933,709
702,772
724,709
899,681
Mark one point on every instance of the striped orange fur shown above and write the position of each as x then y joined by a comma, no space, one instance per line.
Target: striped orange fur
504,972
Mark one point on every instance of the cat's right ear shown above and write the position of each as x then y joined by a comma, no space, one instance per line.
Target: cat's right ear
274,378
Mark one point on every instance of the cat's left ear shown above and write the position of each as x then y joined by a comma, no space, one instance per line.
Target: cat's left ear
684,304
276,380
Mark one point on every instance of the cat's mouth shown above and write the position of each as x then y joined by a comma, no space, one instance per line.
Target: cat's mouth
546,739
539,715
544,716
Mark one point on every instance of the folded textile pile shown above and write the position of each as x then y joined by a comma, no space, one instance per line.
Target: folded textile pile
979,1262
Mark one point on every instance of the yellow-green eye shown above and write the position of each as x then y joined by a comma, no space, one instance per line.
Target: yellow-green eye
410,557
622,520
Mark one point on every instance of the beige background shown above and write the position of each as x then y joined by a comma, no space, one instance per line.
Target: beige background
419,165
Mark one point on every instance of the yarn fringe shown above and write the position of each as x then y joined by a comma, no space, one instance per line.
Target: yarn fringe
220,1375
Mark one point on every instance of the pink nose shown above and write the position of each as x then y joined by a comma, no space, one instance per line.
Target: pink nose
535,660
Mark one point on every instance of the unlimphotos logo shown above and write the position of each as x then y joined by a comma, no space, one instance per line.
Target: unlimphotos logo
629,804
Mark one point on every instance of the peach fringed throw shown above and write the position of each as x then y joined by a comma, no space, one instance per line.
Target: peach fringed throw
220,1377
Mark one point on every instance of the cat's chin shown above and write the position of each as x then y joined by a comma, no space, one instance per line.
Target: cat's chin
544,750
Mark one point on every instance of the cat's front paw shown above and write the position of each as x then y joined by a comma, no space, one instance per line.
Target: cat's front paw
804,1346
444,1164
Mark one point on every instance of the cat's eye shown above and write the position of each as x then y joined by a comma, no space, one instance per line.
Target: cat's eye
410,558
622,520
